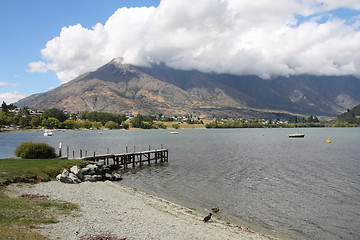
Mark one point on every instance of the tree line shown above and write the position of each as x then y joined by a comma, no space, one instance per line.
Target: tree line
254,123
54,118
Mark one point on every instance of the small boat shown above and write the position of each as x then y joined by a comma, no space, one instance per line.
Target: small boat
174,132
48,133
297,135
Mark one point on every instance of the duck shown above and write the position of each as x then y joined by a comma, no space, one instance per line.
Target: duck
215,210
207,218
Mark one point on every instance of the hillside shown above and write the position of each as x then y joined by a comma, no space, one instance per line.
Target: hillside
351,116
123,88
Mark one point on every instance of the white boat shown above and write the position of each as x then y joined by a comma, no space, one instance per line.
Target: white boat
174,132
48,133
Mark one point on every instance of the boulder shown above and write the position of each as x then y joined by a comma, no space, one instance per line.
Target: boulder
58,177
85,171
92,167
109,176
75,169
117,177
100,163
64,177
98,178
74,178
106,169
89,178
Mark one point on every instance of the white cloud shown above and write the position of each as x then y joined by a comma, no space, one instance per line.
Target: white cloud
37,67
8,84
11,97
260,37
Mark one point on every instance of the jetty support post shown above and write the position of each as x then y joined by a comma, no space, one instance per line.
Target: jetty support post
133,160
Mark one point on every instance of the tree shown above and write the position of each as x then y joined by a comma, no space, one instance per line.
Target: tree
111,125
86,124
51,122
24,121
125,125
4,107
35,121
55,113
4,120
97,125
137,121
102,117
70,124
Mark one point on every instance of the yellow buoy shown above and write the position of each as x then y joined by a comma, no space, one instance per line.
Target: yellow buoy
329,140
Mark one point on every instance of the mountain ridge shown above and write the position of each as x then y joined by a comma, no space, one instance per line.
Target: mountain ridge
128,89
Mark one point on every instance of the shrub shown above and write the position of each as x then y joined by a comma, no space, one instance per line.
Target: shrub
33,150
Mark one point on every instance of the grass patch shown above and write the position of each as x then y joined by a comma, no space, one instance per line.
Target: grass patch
19,215
32,170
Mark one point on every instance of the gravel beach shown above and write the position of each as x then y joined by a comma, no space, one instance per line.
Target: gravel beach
112,208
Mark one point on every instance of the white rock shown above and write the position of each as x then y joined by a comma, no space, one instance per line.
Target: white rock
75,169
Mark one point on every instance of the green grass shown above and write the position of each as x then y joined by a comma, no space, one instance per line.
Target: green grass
19,215
32,170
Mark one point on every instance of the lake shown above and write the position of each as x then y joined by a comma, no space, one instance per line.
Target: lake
304,188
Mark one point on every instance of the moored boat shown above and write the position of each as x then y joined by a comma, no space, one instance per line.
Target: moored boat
297,135
48,133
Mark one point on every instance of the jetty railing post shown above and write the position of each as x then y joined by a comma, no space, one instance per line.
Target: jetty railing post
67,151
80,153
149,148
162,146
126,151
148,156
85,153
73,154
133,160
59,149
108,151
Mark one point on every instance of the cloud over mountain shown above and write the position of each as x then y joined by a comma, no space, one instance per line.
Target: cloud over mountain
265,38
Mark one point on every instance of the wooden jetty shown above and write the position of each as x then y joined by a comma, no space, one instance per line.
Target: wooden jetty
131,159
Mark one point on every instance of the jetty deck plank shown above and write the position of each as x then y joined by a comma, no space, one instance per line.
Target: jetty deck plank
133,159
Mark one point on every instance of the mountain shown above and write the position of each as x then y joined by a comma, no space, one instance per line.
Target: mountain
124,88
351,116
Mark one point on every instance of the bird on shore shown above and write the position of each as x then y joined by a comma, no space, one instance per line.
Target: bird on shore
215,210
207,218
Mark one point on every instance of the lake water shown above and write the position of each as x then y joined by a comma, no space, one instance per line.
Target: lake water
304,188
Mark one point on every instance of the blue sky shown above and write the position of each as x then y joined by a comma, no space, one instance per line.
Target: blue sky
238,37
27,25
